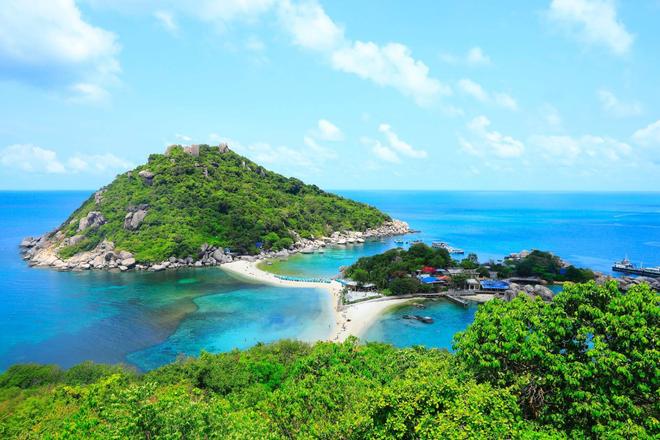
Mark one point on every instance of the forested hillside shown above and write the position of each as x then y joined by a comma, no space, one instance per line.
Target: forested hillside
582,366
178,201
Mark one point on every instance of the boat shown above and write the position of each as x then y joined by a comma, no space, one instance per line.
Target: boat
625,266
398,241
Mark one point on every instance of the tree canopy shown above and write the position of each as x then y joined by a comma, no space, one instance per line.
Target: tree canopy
219,198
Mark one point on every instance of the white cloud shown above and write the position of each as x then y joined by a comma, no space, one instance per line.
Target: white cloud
182,137
88,92
30,158
390,65
382,152
47,43
33,159
328,131
254,44
473,89
505,101
590,149
612,105
593,22
396,144
318,150
485,143
649,135
309,25
166,19
476,91
474,57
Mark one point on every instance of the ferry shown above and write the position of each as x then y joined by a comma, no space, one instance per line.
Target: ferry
625,266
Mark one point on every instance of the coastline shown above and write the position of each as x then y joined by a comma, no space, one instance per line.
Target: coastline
350,320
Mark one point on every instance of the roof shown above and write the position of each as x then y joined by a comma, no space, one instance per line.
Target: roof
494,285
428,269
429,280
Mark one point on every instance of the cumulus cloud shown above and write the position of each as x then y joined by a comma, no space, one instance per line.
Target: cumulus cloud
394,147
569,151
400,146
33,159
309,25
47,43
390,65
476,91
328,131
615,107
649,135
550,115
483,142
386,154
593,22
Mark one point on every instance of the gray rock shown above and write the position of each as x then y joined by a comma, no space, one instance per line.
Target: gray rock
147,176
128,262
124,255
92,220
545,293
133,220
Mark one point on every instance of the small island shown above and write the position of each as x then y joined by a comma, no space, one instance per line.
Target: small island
201,205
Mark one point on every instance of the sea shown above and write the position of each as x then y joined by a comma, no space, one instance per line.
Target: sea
148,319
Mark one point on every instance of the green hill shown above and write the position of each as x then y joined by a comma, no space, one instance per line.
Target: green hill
180,200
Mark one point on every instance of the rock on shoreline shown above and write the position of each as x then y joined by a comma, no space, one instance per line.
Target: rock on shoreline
43,251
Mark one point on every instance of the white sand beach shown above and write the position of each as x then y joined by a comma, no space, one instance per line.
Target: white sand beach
349,320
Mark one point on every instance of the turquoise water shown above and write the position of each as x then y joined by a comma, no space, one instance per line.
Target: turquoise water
149,318
449,318
146,319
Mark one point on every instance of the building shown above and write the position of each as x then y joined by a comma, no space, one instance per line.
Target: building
494,285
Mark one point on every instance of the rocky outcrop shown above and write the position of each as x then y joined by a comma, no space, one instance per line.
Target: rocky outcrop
147,176
626,283
43,251
98,196
92,220
532,291
135,216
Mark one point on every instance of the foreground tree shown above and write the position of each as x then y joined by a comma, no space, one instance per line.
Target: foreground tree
586,363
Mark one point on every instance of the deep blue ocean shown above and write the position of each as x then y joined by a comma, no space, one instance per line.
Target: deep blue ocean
147,319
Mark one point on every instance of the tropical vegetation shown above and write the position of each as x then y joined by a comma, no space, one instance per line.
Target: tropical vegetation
217,197
582,366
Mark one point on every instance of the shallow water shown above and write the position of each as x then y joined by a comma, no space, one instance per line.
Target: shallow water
150,318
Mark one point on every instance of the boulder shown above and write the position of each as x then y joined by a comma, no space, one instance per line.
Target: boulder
128,262
545,293
124,255
133,220
92,220
147,176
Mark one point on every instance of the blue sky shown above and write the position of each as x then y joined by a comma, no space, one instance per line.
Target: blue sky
538,95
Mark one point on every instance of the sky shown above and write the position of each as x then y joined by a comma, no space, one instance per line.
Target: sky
554,95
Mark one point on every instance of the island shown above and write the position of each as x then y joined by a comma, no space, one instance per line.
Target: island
201,205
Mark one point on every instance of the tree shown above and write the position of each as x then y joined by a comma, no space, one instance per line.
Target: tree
404,286
360,276
586,363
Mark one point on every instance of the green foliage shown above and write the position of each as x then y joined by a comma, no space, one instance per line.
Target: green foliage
543,265
390,270
218,198
582,366
586,363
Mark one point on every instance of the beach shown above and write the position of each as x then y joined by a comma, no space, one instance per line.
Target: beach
349,320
